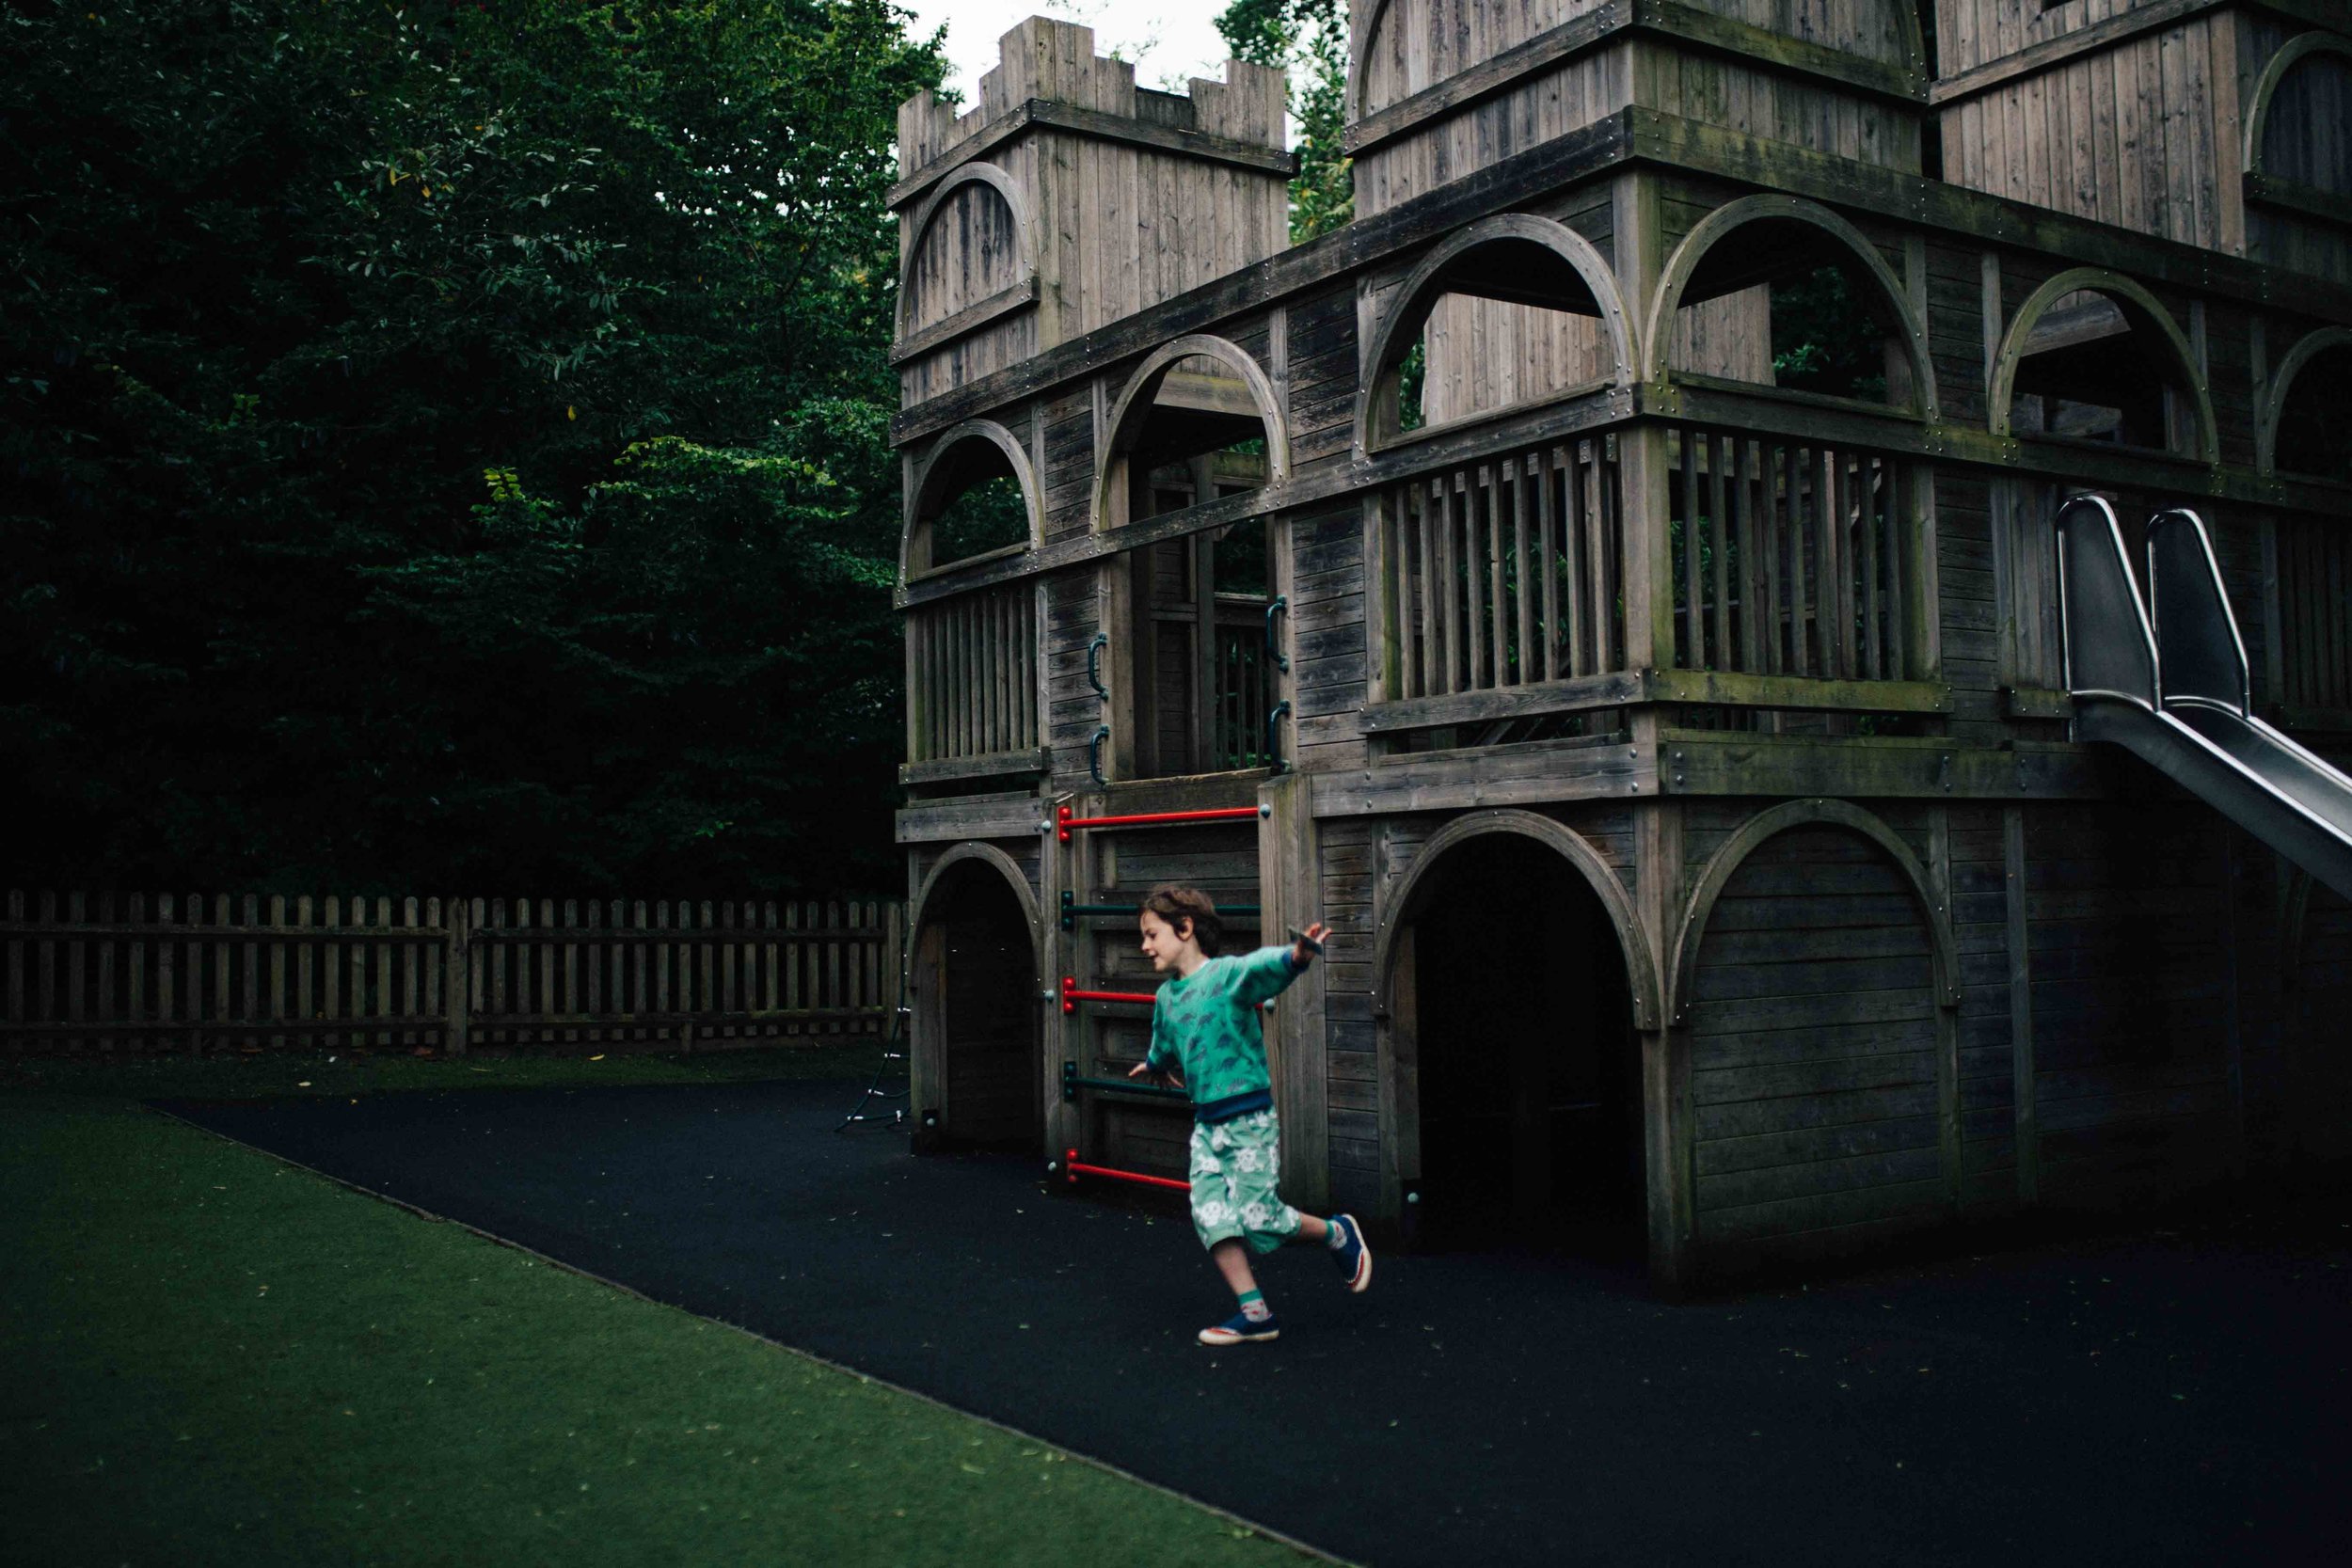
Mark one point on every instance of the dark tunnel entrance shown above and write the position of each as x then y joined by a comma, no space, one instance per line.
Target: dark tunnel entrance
977,977
1524,1064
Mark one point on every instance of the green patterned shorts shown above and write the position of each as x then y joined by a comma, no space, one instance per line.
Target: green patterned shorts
1234,1166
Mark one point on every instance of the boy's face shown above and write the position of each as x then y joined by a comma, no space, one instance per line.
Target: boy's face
1162,944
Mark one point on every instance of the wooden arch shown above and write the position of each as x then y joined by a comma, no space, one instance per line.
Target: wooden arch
1571,246
1779,819
2274,404
1640,967
2292,53
919,481
1712,229
989,855
1135,401
995,179
2099,280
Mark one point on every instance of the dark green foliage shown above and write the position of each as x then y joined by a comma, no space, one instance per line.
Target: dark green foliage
445,446
989,515
1823,341
1307,40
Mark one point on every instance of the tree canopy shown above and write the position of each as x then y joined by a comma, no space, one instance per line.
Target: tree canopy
448,444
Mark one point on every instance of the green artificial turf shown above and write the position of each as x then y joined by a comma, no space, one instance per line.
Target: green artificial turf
214,1359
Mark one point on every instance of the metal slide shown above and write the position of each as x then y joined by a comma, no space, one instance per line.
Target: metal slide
2171,686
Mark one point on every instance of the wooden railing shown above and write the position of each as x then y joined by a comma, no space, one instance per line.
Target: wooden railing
972,677
1792,559
141,972
1505,572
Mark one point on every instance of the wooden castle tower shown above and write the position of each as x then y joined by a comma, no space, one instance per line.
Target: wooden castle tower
1674,727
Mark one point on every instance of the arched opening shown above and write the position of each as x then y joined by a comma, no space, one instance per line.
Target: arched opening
976,989
970,499
2301,131
1811,985
1197,427
2314,410
970,249
1516,312
1772,292
1517,1069
2090,356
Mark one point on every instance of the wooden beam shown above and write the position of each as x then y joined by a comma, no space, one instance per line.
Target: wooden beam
965,321
1630,687
1033,760
1001,815
2311,201
1713,762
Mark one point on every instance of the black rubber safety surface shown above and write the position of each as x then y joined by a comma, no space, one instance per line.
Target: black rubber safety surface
2172,1395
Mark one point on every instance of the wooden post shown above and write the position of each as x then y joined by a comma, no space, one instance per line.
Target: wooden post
1290,893
2021,1006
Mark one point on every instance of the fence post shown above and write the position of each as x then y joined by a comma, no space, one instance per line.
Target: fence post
894,961
456,977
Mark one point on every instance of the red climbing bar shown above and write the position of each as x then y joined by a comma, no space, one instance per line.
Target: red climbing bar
1074,1170
1072,996
1066,824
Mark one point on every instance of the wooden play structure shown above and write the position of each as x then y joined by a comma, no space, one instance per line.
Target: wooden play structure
1664,696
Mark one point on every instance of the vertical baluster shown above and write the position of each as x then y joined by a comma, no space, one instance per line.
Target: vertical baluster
1598,555
1721,452
1833,604
1694,649
1527,666
1449,580
1867,472
1799,654
1398,515
1499,657
1474,580
1543,469
1898,567
1426,618
1750,574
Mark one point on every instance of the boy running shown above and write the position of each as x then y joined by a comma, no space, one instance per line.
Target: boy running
1206,1037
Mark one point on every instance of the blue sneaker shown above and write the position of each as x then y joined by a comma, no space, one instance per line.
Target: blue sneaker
1351,1255
1239,1330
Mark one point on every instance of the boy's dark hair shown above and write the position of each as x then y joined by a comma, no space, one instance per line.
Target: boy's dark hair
1173,903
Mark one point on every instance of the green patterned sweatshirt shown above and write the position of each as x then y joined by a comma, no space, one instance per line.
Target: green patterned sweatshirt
1207,1023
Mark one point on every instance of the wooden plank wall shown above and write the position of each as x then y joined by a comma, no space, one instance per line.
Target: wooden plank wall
1414,45
2131,1003
1815,1078
1115,224
135,972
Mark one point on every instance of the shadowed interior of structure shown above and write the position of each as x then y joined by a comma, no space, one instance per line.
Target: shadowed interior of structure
1528,1084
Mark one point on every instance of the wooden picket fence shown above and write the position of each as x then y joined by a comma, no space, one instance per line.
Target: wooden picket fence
135,972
